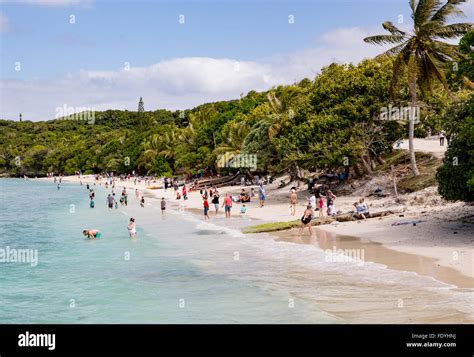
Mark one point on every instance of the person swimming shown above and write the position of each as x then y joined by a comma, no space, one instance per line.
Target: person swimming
92,233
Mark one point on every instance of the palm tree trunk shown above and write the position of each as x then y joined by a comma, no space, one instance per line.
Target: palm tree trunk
411,126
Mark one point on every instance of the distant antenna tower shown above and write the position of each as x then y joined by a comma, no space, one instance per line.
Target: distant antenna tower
20,116
141,106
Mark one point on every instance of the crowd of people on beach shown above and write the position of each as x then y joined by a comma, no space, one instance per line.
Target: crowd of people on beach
321,199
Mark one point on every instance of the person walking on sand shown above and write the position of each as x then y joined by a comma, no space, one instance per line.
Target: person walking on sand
321,206
163,205
132,228
306,219
215,201
206,208
441,138
261,195
227,205
185,193
293,200
312,201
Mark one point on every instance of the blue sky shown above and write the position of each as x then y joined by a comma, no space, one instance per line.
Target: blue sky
252,38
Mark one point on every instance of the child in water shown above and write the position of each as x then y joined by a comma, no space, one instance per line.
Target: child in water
91,203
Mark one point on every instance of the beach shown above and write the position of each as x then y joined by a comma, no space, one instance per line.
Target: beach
441,246
183,269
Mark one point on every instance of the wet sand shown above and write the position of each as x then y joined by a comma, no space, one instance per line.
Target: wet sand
379,253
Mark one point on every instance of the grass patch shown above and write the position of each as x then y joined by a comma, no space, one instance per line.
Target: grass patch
394,158
271,227
426,178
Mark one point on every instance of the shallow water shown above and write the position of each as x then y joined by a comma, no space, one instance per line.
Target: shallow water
183,270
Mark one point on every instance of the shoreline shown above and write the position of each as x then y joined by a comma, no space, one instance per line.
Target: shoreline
431,248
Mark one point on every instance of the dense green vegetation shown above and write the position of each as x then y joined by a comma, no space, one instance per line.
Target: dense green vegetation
311,125
422,53
456,176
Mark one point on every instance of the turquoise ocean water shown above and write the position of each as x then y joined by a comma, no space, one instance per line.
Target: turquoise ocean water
182,270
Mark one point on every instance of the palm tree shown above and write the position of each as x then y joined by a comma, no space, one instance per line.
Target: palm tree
421,52
281,117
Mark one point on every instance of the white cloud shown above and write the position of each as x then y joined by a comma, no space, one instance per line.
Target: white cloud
4,23
181,82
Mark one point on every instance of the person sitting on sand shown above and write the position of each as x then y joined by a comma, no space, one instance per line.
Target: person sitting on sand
331,209
92,233
132,228
306,219
361,208
244,197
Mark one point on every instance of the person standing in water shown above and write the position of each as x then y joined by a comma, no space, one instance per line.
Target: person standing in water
306,219
227,205
185,193
110,201
206,208
163,205
215,201
142,202
132,228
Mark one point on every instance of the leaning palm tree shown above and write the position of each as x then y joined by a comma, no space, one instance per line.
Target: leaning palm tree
421,52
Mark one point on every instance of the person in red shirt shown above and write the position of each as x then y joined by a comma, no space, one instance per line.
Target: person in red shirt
227,205
206,208
185,193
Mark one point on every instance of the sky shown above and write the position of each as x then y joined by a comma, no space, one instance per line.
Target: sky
106,54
